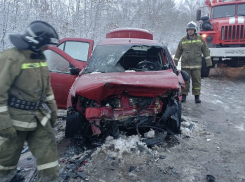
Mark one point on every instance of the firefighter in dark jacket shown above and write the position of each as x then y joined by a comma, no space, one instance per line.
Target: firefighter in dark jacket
191,48
27,105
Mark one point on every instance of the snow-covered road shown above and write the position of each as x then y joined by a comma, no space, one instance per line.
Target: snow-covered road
215,147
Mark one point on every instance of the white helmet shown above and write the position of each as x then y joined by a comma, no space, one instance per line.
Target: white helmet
191,25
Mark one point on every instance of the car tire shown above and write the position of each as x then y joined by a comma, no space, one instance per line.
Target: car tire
205,69
73,124
179,117
173,124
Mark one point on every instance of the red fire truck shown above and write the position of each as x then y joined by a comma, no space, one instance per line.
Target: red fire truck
224,31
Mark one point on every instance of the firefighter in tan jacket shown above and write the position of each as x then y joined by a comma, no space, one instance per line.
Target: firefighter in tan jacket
27,105
191,48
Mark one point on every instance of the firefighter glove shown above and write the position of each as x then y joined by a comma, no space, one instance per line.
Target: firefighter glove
53,118
8,133
209,63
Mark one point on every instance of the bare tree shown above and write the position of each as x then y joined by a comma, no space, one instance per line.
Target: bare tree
94,18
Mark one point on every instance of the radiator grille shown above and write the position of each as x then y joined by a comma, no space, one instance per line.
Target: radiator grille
234,33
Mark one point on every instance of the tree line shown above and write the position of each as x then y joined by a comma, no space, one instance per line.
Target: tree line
92,19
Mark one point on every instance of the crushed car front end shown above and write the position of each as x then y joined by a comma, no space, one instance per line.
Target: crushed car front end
121,90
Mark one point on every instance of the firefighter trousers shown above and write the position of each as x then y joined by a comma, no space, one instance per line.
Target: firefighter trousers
43,146
195,75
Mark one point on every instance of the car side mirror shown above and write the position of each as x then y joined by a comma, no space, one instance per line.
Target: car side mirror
185,75
198,15
74,71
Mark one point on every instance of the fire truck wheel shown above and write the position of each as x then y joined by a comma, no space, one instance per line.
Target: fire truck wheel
205,70
234,63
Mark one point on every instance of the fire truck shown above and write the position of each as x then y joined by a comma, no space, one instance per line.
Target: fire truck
223,29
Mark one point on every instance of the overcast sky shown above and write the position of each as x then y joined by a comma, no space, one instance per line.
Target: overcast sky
177,1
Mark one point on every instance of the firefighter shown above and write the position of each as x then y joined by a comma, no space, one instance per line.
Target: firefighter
27,106
191,48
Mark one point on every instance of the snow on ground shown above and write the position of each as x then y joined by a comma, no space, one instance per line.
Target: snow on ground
225,89
241,127
116,148
150,134
214,147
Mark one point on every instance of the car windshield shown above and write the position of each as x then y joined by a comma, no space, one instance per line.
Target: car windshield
120,58
223,11
241,10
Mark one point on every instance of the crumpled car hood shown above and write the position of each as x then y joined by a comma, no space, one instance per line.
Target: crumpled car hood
147,84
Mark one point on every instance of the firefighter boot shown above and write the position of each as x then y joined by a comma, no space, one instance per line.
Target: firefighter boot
183,98
17,178
197,99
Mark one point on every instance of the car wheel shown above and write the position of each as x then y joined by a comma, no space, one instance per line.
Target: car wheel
174,123
179,117
180,111
73,124
205,70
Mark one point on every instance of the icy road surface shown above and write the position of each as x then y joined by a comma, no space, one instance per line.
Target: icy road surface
216,146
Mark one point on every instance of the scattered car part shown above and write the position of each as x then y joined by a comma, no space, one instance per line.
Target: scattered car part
210,178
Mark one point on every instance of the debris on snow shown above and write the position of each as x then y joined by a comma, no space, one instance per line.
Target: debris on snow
60,136
82,174
203,133
25,150
157,159
185,131
124,145
162,157
131,168
187,127
174,171
150,134
210,178
185,124
191,127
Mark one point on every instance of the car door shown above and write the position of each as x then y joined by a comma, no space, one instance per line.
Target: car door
77,48
71,53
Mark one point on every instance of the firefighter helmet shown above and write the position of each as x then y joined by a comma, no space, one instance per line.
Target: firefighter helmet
191,25
38,35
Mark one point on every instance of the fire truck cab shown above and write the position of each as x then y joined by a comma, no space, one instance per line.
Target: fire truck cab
224,31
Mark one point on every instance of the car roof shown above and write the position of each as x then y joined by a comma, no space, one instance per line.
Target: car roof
123,41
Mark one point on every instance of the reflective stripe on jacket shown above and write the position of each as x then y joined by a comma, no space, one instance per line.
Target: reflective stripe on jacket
191,52
26,79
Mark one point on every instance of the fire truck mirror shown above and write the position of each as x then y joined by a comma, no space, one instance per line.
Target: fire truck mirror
198,15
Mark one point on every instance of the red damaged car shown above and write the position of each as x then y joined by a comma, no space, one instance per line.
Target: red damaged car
130,83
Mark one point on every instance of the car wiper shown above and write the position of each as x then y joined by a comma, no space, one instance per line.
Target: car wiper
241,14
97,72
